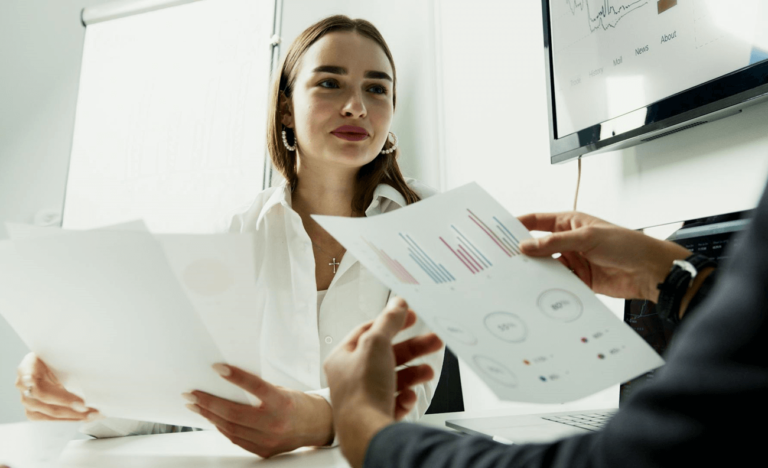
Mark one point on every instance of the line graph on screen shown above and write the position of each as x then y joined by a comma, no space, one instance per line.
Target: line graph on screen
604,14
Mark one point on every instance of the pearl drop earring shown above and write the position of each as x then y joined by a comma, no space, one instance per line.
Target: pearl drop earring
285,142
392,138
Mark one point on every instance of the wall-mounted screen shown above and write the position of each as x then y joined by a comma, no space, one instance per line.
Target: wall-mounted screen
623,71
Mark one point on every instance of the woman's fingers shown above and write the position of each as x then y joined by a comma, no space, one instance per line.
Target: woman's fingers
35,416
41,388
225,424
223,410
42,392
54,411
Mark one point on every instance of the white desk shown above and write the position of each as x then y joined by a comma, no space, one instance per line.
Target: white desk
211,449
188,450
195,450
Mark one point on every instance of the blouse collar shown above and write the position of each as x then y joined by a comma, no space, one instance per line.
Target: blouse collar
385,198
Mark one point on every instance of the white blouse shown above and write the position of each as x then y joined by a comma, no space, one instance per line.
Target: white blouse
301,328
302,325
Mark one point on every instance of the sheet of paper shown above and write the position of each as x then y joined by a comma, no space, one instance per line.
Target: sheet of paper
35,444
106,312
218,275
19,231
528,327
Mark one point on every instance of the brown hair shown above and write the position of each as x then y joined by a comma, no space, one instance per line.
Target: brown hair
384,169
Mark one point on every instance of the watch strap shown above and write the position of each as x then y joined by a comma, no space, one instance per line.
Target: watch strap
676,284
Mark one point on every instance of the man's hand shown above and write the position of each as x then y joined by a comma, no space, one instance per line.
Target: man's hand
366,391
285,420
611,260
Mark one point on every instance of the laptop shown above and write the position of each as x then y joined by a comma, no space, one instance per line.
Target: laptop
708,236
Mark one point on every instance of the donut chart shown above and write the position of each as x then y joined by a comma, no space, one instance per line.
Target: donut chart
456,331
560,305
496,371
506,327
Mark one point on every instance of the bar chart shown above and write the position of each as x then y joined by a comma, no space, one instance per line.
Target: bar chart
436,271
473,245
394,267
456,259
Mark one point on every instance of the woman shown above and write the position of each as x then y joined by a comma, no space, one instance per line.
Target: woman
331,111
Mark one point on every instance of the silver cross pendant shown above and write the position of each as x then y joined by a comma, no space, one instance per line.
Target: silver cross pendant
334,264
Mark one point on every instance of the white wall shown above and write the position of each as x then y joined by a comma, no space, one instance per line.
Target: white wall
41,45
496,134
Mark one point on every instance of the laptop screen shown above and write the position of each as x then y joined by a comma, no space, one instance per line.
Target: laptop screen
713,237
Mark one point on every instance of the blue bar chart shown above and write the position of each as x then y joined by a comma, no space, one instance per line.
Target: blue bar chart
434,270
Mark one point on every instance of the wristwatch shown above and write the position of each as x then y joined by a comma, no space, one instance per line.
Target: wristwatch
674,287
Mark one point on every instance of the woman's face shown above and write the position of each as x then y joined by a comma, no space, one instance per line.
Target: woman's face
341,104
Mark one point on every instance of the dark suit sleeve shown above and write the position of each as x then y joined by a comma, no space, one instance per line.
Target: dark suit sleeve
705,407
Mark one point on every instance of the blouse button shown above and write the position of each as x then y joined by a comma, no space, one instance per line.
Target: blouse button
328,340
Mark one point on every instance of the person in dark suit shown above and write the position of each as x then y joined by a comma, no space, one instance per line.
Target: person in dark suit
701,408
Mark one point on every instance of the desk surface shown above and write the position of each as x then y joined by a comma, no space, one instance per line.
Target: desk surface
188,450
195,450
211,449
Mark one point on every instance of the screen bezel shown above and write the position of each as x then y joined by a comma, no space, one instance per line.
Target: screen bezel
716,98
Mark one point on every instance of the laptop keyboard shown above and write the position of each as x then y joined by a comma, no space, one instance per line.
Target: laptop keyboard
588,421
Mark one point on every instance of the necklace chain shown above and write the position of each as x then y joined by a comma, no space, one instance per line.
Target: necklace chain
322,249
333,263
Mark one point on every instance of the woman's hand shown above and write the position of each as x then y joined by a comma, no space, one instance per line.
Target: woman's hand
43,396
286,420
611,260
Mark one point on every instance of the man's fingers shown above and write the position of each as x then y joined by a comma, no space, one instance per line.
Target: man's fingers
540,221
579,266
350,341
412,376
404,403
577,240
416,347
392,320
410,319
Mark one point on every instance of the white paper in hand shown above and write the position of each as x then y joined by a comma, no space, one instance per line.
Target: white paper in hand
528,327
105,311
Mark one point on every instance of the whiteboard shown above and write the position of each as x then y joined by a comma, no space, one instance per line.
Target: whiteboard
171,117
